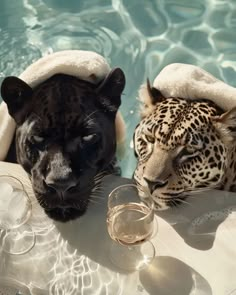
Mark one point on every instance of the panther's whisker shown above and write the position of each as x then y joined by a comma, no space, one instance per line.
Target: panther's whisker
99,177
89,115
96,190
95,202
96,197
41,201
97,183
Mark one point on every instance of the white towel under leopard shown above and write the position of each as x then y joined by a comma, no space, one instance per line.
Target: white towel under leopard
191,82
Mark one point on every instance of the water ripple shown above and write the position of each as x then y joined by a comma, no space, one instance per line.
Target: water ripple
185,11
16,53
139,38
148,18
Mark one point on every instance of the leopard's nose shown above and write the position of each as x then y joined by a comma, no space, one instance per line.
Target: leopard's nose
61,185
153,185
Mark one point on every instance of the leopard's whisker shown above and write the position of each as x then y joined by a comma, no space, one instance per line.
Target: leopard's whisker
184,202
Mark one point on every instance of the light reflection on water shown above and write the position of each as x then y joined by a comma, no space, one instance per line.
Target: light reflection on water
141,37
72,258
67,258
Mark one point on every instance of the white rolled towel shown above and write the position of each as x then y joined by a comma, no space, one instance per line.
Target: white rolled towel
86,65
192,82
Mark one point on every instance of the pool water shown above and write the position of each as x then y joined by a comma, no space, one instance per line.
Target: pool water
141,37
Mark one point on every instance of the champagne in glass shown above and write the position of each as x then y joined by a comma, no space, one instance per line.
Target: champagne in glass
130,223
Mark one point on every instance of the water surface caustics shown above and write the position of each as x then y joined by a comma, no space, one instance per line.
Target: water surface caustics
141,37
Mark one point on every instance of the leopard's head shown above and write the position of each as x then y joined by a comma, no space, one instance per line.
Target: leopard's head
183,147
65,137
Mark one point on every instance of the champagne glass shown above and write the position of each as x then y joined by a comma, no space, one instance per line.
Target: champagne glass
130,223
16,236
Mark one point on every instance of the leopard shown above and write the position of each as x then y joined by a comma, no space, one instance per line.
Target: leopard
182,147
65,137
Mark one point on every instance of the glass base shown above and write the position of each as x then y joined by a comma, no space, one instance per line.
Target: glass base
132,258
10,286
17,241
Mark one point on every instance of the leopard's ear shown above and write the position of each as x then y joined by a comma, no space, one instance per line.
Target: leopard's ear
17,95
154,94
111,88
226,125
149,96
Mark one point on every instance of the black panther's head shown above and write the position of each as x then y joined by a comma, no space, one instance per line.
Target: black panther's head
65,136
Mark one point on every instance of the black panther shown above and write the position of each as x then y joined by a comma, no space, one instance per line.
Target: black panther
65,137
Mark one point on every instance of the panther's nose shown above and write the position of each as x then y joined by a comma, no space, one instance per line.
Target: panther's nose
61,185
153,185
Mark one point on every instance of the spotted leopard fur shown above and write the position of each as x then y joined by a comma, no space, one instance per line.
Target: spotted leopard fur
183,146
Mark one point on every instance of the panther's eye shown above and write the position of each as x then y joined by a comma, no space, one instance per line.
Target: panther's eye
150,138
37,142
37,139
90,139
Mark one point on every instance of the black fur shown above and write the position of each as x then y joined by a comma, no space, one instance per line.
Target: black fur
65,137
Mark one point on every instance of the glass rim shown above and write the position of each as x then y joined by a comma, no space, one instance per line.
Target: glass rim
11,282
149,205
29,203
22,251
120,186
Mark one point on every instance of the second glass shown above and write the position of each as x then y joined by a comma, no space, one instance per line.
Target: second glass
16,235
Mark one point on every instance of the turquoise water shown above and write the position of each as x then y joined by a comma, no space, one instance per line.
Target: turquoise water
139,36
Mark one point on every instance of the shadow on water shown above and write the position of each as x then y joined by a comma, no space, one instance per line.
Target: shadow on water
168,276
197,222
75,255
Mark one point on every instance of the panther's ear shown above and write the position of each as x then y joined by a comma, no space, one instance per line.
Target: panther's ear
111,88
149,96
226,125
17,95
